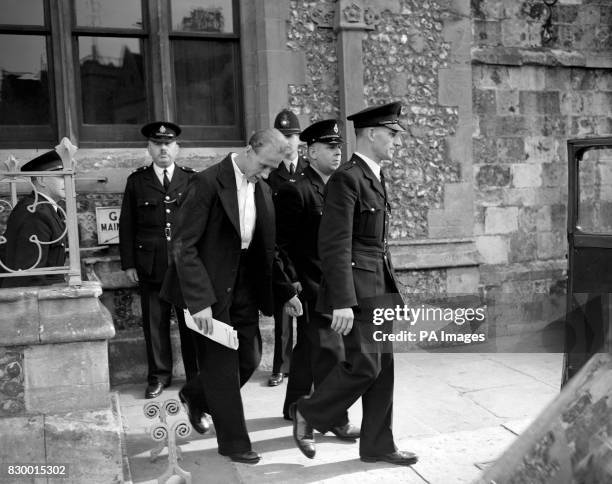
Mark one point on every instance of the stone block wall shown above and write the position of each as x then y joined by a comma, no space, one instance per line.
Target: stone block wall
529,98
54,383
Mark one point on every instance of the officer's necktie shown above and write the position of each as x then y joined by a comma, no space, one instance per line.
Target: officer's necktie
382,182
166,180
291,169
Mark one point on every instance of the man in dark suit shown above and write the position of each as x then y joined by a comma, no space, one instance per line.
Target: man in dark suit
299,206
287,172
357,275
47,223
148,213
227,267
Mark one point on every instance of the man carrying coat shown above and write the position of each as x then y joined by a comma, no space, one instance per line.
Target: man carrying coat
227,267
148,213
357,273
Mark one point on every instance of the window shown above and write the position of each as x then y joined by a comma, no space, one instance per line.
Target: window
119,64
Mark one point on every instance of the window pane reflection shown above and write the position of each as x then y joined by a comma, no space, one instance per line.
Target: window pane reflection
109,13
202,16
112,80
595,191
22,12
24,80
204,72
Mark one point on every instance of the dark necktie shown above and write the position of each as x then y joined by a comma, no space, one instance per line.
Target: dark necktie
382,182
166,180
291,169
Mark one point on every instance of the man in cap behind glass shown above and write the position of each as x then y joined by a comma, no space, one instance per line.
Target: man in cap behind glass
287,172
357,273
47,223
148,213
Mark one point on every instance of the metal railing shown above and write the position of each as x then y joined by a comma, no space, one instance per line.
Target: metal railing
13,177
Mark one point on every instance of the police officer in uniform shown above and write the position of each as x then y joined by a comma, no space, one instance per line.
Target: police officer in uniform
357,273
299,206
150,202
287,172
47,223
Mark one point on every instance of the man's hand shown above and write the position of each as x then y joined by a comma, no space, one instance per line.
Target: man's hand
203,319
132,275
293,307
297,286
342,320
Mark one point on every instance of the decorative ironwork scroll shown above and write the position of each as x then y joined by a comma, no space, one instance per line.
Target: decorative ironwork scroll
165,434
15,178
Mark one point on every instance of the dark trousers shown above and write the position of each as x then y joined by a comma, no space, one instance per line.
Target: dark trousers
317,351
156,326
223,371
367,373
283,341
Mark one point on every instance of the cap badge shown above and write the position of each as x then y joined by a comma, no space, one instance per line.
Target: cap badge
336,128
162,129
284,121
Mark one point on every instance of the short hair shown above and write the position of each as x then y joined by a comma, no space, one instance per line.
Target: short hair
268,137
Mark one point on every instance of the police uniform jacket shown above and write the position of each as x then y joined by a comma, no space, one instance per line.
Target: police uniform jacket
20,253
298,215
207,249
353,238
279,176
148,216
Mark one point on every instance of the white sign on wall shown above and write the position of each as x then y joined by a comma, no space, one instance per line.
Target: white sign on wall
107,220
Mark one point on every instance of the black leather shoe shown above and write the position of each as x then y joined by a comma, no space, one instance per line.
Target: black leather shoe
303,434
154,390
399,457
197,419
275,379
346,432
248,457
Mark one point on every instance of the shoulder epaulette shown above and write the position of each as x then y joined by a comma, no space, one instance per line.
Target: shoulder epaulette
139,169
187,169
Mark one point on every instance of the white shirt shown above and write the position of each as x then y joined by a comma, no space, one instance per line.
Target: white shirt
375,167
50,200
291,162
160,172
246,206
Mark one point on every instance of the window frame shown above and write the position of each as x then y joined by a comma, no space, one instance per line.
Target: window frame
15,136
62,34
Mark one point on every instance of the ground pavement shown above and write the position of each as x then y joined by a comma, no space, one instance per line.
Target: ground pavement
457,411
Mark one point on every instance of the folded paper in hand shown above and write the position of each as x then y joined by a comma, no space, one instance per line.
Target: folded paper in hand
222,333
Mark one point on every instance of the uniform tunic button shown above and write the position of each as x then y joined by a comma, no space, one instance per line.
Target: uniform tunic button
146,203
372,209
140,246
352,263
167,210
167,197
168,238
167,224
229,289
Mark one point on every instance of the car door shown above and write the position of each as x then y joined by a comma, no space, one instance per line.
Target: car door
589,230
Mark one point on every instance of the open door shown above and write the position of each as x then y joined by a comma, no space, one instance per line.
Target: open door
589,230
